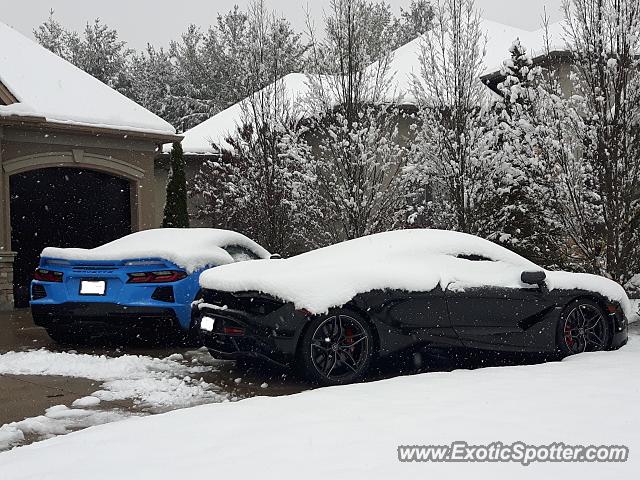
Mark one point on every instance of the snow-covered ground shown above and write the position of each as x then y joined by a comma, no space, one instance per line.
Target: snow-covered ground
354,431
151,383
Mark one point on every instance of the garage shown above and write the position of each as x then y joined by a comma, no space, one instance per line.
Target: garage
77,161
66,207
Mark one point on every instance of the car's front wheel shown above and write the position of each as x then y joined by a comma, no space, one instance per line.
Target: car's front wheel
336,349
583,327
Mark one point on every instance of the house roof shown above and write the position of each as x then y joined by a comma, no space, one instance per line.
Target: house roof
209,136
43,87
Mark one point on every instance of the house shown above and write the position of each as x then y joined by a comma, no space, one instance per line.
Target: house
208,140
76,161
209,137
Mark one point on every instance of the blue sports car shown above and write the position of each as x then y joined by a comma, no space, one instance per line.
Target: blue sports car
142,283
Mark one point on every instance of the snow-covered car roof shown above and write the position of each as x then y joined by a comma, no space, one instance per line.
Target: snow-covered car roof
412,260
189,248
44,85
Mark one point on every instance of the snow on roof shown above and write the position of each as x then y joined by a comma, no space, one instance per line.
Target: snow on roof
47,86
209,137
405,65
189,248
411,260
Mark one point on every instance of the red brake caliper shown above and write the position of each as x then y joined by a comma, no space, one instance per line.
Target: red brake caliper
348,336
567,336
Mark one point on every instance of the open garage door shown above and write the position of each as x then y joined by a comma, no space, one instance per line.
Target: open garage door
63,207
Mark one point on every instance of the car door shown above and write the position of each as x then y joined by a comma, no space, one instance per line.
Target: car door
493,316
496,318
423,315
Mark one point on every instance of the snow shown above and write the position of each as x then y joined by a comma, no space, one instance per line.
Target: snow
189,248
153,384
147,381
210,136
47,86
353,431
57,420
89,401
412,260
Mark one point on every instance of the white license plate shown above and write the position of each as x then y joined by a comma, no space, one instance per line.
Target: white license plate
207,324
93,287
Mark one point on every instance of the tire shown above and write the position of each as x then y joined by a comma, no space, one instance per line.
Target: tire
336,349
583,327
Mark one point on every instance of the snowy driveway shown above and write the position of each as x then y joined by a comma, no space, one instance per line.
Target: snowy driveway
354,431
48,391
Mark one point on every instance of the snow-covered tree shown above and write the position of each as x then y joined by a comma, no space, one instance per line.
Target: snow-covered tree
412,22
601,180
358,159
521,209
449,166
213,69
99,51
153,83
263,186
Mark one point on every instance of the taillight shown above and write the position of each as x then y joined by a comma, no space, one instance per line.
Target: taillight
163,276
43,275
233,331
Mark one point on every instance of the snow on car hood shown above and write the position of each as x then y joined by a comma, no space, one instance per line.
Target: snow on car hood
412,260
189,248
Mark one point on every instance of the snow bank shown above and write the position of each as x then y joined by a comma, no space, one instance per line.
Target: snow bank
413,260
354,431
189,248
151,382
57,420
47,86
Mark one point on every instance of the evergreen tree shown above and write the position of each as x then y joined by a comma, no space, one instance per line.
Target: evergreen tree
521,215
99,52
176,214
412,22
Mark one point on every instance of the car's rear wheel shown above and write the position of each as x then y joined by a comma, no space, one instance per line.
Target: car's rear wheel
336,349
583,327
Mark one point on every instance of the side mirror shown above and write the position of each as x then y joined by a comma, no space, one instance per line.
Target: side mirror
275,256
533,278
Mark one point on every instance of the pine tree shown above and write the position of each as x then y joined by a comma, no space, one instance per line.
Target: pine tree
522,214
176,214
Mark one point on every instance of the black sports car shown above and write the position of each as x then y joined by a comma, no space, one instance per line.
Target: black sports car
331,311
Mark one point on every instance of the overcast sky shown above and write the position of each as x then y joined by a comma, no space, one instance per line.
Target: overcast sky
158,21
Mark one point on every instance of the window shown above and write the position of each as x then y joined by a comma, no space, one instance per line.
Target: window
240,254
474,258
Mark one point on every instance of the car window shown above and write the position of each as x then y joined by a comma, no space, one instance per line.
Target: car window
474,258
241,254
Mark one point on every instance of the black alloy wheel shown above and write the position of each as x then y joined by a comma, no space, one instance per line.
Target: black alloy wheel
583,327
336,349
